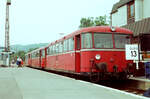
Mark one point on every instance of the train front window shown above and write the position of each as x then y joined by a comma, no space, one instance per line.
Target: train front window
87,40
121,40
103,40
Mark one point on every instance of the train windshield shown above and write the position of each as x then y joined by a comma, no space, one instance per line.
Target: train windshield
121,40
103,40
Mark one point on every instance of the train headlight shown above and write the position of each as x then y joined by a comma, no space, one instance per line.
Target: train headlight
97,57
113,29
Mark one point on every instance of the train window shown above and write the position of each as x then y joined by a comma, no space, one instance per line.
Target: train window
48,51
103,40
121,40
54,49
37,54
43,53
65,45
87,40
33,55
57,48
51,49
53,52
60,47
71,44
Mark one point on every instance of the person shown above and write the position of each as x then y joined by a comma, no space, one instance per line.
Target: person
19,60
13,61
147,93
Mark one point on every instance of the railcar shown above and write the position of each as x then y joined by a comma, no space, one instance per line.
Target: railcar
95,52
36,58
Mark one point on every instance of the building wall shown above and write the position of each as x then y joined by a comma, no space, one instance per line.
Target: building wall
114,19
142,11
146,8
119,18
138,10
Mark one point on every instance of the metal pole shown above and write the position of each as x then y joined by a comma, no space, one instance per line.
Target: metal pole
7,45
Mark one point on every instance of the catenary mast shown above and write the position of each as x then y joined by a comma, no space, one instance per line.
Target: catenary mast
7,44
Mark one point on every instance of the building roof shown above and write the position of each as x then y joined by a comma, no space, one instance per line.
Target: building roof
119,4
139,27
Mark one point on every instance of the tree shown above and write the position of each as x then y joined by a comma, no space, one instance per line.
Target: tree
20,54
100,21
86,22
91,21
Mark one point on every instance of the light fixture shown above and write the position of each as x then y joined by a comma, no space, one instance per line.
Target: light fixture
113,29
97,57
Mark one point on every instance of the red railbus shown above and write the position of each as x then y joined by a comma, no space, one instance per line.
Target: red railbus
36,58
94,52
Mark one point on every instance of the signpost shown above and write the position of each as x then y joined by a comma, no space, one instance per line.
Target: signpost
132,53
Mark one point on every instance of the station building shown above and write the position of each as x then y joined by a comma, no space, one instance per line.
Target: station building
133,15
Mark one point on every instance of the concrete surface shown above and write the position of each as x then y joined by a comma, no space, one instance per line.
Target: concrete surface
27,83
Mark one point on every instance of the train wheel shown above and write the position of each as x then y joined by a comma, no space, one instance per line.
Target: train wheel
124,76
94,77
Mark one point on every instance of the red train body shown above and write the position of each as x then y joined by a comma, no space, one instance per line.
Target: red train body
99,50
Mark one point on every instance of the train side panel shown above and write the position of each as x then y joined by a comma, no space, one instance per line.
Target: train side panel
62,62
36,62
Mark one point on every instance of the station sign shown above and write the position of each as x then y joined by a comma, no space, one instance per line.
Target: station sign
132,52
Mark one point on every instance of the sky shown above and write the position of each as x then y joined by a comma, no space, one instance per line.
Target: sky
42,21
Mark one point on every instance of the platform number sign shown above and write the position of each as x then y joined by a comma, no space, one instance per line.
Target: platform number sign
132,52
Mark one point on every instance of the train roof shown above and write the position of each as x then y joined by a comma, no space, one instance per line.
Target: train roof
100,29
104,29
36,50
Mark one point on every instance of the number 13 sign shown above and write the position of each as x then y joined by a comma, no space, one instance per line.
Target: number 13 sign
132,52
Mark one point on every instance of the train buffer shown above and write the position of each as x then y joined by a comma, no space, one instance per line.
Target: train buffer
27,83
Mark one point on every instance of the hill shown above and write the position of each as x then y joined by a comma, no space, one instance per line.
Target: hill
27,47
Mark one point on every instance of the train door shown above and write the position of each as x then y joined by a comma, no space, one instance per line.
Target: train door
77,53
45,57
29,60
40,58
43,60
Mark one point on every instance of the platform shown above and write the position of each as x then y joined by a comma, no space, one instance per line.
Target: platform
140,83
27,83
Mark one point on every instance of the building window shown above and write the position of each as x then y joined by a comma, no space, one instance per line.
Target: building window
131,12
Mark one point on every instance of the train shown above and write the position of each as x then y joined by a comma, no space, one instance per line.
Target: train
95,52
